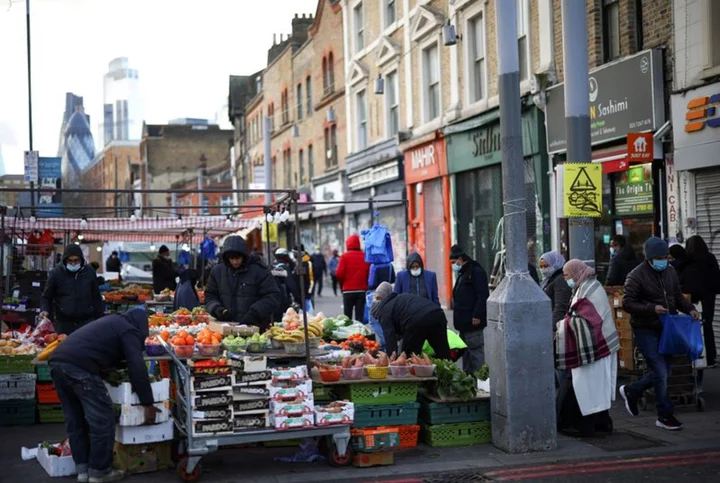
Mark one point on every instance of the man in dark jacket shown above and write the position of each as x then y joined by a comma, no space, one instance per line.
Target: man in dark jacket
652,289
622,261
72,294
470,296
319,266
75,367
242,288
163,271
416,319
113,263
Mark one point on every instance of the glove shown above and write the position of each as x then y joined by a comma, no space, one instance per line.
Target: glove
222,314
250,318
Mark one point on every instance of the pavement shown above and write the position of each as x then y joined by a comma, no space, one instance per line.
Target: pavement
637,451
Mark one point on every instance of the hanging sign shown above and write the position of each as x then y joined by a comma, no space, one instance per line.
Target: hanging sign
582,193
640,147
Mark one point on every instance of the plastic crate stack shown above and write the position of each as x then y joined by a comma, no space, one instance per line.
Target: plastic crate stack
49,407
17,398
449,424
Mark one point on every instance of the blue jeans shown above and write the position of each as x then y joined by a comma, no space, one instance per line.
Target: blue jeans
89,418
659,369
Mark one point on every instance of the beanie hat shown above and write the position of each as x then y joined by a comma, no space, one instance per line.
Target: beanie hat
456,252
164,249
383,290
655,247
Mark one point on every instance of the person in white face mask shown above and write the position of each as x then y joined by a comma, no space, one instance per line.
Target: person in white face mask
417,280
554,284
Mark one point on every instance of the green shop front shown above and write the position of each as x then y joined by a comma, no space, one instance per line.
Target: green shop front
474,165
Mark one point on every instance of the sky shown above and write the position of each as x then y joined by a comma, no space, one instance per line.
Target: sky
184,51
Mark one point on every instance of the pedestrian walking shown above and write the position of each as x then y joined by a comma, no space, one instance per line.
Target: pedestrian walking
622,261
319,266
352,273
332,267
417,280
554,284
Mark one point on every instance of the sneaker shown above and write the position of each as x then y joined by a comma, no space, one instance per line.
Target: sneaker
112,475
83,478
670,423
631,403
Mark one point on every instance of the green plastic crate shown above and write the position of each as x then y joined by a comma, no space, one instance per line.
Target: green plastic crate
381,393
18,412
460,434
321,393
449,413
17,365
43,373
50,413
386,415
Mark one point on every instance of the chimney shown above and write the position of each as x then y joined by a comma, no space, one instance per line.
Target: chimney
274,39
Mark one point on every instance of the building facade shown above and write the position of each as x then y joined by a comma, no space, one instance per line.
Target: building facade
116,167
122,103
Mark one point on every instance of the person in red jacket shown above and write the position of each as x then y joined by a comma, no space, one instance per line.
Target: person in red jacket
352,273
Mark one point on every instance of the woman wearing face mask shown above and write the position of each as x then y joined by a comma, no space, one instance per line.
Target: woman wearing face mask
417,280
554,284
72,295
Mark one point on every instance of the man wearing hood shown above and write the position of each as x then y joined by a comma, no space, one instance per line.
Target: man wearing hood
163,271
75,367
72,294
352,273
242,288
622,261
416,319
417,280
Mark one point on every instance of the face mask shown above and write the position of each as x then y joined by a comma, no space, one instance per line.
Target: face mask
547,272
73,268
456,267
613,252
416,272
571,283
660,265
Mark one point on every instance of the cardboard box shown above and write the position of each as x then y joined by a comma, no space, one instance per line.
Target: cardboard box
131,415
296,374
251,391
212,399
251,405
339,412
299,422
216,413
254,363
242,378
300,407
303,390
212,427
212,383
56,466
256,420
156,433
123,394
227,328
142,458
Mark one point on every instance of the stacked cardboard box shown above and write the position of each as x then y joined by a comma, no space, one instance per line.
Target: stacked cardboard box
292,405
626,355
251,394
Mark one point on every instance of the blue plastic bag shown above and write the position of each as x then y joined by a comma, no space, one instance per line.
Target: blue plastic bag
682,336
378,244
372,321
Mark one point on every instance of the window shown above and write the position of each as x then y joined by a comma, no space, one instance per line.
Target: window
311,162
271,115
391,103
431,74
522,32
299,95
639,31
287,168
285,107
476,58
226,203
205,205
611,29
331,72
714,35
359,23
361,110
308,87
325,74
390,13
333,145
301,162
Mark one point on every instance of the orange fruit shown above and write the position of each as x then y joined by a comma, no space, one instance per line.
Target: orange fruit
165,335
182,334
189,340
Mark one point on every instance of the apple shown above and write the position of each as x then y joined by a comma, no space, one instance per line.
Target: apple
50,338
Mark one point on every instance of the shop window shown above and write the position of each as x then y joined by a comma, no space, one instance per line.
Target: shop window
362,121
359,23
391,103
431,79
299,95
523,29
476,58
611,29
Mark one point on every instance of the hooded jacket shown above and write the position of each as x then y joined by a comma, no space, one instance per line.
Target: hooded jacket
470,296
164,274
620,266
250,293
424,286
396,312
105,343
72,297
353,271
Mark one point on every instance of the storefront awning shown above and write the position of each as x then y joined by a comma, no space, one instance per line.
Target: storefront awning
472,123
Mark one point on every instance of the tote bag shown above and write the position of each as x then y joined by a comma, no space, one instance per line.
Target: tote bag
681,335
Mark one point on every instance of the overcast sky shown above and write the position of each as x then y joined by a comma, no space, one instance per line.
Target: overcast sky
184,51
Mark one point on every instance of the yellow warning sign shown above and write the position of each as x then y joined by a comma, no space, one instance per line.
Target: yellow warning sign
582,190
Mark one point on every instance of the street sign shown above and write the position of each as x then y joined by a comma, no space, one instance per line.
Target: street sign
582,192
31,166
640,147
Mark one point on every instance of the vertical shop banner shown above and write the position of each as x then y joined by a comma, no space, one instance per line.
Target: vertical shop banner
582,190
49,180
673,203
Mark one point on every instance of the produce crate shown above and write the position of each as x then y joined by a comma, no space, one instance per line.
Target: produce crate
46,394
17,413
460,434
408,435
371,440
43,373
50,413
321,393
17,364
17,386
367,460
456,412
386,415
381,393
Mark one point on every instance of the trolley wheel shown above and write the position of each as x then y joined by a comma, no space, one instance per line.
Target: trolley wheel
700,404
333,456
183,473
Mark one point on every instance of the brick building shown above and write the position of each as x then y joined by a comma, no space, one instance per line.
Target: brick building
217,177
117,167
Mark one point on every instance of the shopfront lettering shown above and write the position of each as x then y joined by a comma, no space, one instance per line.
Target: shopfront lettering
486,141
423,157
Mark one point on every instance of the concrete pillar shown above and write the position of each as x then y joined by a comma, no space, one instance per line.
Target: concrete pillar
519,336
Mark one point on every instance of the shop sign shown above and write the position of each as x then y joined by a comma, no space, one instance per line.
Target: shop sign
635,103
582,193
698,142
425,162
327,193
673,206
640,147
634,192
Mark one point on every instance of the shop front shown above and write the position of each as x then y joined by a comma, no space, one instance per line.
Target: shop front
428,189
328,214
628,125
375,181
474,164
304,222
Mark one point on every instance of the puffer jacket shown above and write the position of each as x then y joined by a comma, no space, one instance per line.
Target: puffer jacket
645,288
353,271
250,293
397,312
470,297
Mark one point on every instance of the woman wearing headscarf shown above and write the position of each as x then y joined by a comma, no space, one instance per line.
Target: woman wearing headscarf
586,342
554,284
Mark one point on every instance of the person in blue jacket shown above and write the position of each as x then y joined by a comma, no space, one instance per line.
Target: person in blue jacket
417,280
186,296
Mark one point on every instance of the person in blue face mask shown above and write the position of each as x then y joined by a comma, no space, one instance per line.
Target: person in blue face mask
622,261
651,290
72,294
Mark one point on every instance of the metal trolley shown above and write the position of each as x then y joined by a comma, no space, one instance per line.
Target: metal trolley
192,447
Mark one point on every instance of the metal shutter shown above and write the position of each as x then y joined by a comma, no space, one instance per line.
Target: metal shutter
707,194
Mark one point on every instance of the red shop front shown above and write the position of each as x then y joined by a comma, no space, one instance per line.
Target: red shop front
428,192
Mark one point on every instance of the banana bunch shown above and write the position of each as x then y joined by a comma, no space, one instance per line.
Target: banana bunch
282,335
315,329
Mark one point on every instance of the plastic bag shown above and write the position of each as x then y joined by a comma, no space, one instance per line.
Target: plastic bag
378,244
454,341
681,335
